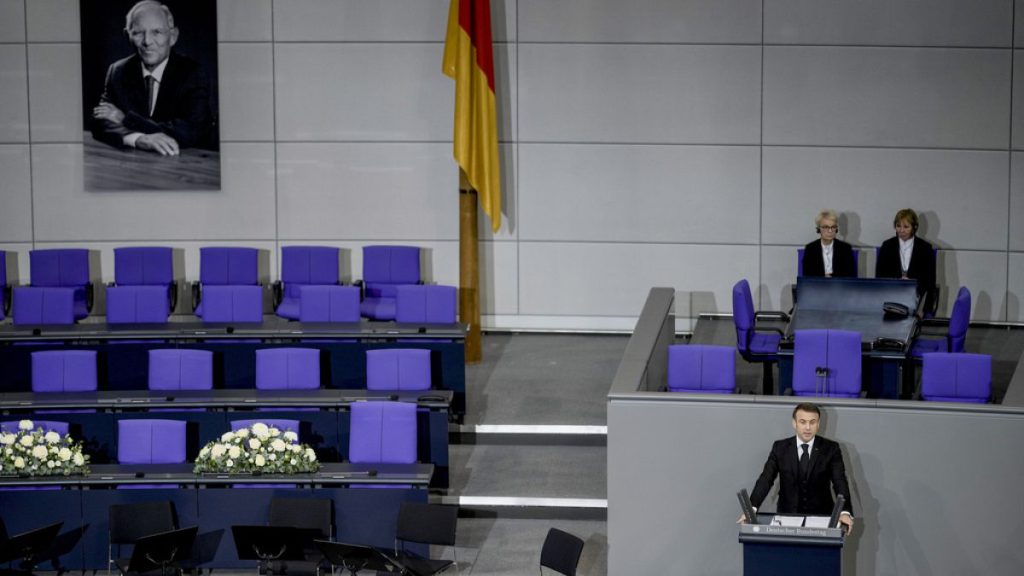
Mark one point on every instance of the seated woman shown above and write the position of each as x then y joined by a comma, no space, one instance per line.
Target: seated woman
908,257
828,256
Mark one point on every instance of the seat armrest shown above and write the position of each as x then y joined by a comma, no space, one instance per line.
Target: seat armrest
771,315
277,288
89,297
362,289
197,294
8,293
770,329
172,295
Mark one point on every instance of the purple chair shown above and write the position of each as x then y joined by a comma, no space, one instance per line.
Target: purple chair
150,441
180,369
701,368
228,289
827,363
398,369
5,288
382,433
957,334
281,424
303,266
425,304
144,290
319,303
64,371
47,425
754,343
956,377
288,369
60,293
384,269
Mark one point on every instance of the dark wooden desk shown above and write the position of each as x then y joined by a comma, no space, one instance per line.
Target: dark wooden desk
109,168
365,515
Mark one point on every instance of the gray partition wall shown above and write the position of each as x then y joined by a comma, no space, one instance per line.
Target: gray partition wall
936,487
685,143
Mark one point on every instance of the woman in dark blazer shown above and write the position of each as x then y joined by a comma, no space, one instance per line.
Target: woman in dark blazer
909,257
828,256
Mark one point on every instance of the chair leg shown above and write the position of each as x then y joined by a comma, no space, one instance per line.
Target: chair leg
767,380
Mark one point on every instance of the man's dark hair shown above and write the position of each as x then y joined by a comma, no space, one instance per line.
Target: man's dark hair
807,407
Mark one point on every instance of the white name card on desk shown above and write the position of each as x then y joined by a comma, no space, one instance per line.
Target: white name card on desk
793,521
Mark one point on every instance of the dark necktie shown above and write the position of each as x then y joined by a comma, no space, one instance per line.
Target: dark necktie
805,459
150,100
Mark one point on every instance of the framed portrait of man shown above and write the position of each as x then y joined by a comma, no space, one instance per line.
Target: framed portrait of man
150,95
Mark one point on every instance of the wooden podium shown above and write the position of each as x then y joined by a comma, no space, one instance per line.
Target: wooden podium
786,550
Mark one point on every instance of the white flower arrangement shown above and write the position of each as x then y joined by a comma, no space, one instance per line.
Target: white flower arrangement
32,451
258,449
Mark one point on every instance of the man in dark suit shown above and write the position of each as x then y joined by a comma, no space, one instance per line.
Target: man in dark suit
809,468
155,99
828,256
908,257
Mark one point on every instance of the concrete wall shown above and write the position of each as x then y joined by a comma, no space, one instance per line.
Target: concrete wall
936,489
685,143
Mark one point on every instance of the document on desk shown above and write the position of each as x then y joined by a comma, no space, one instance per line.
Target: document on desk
817,522
793,521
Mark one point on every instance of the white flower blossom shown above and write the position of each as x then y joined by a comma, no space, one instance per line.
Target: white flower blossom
242,432
7,439
310,455
52,437
78,459
291,436
254,443
64,454
50,464
260,460
227,437
278,445
40,452
218,450
26,425
19,462
260,430
26,440
229,463
234,452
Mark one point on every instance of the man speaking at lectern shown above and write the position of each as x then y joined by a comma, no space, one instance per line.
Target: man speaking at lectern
809,468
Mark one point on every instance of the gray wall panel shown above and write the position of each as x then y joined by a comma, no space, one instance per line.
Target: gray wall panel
55,96
15,194
889,22
886,97
684,194
641,21
1015,288
358,21
575,279
958,194
403,191
350,104
682,521
14,94
1017,120
499,273
638,93
244,21
246,92
984,273
17,262
1016,213
778,274
242,210
12,20
53,20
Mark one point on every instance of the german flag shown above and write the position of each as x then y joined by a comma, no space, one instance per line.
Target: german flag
469,60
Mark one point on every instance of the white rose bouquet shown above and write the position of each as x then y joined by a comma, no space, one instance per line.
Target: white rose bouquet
32,451
258,449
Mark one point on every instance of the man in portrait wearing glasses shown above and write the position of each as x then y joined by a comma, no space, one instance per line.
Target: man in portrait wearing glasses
156,99
828,256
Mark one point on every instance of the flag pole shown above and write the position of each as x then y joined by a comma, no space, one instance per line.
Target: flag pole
469,269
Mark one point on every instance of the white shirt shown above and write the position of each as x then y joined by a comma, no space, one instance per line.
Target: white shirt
906,251
158,75
800,448
826,255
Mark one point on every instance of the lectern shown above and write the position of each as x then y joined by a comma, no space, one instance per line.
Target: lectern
785,550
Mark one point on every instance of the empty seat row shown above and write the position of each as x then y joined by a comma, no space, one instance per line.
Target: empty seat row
229,289
276,369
